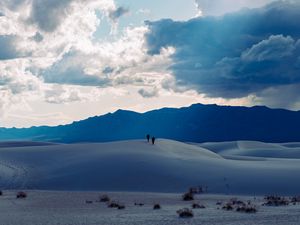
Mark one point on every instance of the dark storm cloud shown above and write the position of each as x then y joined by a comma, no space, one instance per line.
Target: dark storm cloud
235,55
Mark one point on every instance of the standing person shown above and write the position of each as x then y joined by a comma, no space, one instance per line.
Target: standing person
153,140
148,137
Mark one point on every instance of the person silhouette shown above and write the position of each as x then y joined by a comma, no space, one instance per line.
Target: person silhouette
153,140
148,137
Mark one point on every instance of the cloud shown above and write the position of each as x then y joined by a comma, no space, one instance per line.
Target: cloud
114,15
7,47
59,95
148,93
276,47
48,15
38,37
71,70
220,7
233,56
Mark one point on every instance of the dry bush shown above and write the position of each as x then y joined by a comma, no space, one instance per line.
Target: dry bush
188,196
21,194
197,206
185,213
104,198
273,200
156,206
246,209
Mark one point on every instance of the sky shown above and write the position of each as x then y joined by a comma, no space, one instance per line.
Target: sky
66,60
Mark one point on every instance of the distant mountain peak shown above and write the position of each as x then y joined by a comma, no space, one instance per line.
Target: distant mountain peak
196,123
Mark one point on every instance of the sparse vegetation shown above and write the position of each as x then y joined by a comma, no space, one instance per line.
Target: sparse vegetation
188,196
273,200
116,205
228,206
21,194
197,206
88,201
246,209
121,207
104,198
156,206
185,213
139,204
113,204
295,200
239,206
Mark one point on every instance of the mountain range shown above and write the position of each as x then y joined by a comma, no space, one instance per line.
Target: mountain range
196,123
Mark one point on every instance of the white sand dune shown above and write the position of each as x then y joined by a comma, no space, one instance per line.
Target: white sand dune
167,166
255,149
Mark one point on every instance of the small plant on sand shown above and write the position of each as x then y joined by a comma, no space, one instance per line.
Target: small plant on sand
197,206
21,194
113,204
104,198
188,196
246,209
273,200
295,200
139,204
185,213
156,206
121,206
228,207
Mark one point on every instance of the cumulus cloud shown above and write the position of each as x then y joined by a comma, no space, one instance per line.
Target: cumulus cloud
71,70
7,46
48,15
233,56
114,15
57,94
148,93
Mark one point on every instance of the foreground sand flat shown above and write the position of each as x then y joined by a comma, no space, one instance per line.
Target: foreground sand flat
70,208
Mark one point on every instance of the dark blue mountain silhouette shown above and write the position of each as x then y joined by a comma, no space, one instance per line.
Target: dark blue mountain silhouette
197,123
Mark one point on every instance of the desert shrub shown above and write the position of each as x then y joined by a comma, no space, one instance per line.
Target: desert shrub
139,204
239,206
228,207
113,205
197,190
273,200
104,198
185,213
197,206
246,209
235,201
188,196
121,207
156,206
21,194
295,199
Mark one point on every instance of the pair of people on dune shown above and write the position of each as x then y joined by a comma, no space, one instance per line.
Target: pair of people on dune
152,139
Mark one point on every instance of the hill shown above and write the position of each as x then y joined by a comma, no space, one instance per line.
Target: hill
197,123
